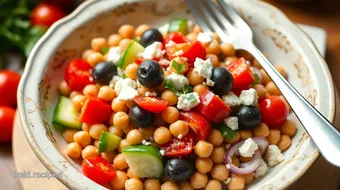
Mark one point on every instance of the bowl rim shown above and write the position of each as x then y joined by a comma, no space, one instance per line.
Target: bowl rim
29,66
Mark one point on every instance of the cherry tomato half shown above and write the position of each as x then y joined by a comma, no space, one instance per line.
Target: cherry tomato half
242,74
152,104
78,75
179,147
199,124
6,123
176,37
191,51
274,111
46,15
95,110
98,169
9,81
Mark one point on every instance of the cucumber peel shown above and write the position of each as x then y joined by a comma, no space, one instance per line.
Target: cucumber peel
66,115
130,54
108,142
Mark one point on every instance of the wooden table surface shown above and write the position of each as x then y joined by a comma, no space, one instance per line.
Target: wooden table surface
321,13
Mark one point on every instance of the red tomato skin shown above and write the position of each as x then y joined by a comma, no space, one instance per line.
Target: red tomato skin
199,124
152,104
242,74
176,37
274,111
213,107
179,147
192,50
78,75
9,81
46,15
90,168
6,123
95,111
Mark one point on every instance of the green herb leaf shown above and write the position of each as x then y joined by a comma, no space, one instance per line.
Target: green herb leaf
225,130
257,79
191,98
169,85
124,76
187,89
179,68
104,50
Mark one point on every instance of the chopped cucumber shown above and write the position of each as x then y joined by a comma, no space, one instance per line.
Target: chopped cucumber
130,54
66,114
144,161
178,25
108,142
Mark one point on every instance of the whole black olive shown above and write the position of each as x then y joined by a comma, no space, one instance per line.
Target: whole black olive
141,117
223,81
150,36
150,74
249,117
103,72
179,169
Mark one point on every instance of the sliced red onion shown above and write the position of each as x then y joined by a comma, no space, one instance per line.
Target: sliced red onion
261,142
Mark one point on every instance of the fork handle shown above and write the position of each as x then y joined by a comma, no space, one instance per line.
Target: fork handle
324,134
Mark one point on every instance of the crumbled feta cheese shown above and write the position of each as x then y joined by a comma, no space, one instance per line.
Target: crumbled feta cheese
248,148
180,136
231,122
190,25
178,81
203,67
164,62
147,93
209,82
162,152
114,80
170,43
248,97
188,101
127,82
114,54
144,142
179,53
231,99
205,37
164,29
153,51
228,166
184,58
261,170
228,180
127,93
274,155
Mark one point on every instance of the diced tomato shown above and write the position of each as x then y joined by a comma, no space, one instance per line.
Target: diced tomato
78,74
179,147
98,169
139,60
95,110
199,124
242,74
274,111
176,37
152,104
191,51
213,107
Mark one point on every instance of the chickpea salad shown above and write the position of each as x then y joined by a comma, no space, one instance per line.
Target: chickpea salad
171,108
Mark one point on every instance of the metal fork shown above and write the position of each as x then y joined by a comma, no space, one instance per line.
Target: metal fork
218,16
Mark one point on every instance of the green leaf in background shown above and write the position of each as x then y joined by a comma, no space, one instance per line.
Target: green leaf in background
34,34
225,130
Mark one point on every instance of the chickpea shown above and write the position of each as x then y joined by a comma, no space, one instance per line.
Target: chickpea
214,60
265,77
121,120
194,78
289,128
162,135
249,178
74,93
213,47
272,89
198,180
179,129
82,138
237,182
213,185
106,93
124,43
114,40
116,131
185,186
244,159
98,43
203,149
126,31
192,37
182,63
147,132
96,143
78,101
130,173
134,137
215,137
89,151
90,90
217,155
261,130
133,184
108,156
142,90
219,172
261,91
152,184
94,58
281,71
234,140
216,37
68,135
96,130
130,103
170,114
64,89
170,96
235,161
197,29
169,185
86,54
119,181
130,127
159,121
274,136
73,150
85,127
227,49
284,143
257,64
131,71
203,165
119,162
118,105
245,134
200,88
141,29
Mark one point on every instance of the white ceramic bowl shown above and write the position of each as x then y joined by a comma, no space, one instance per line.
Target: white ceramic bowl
279,38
